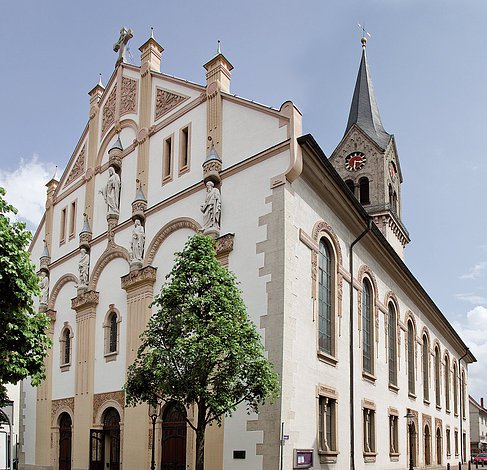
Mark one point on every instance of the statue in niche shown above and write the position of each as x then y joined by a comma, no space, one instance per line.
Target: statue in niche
44,286
137,243
111,192
211,209
84,268
121,44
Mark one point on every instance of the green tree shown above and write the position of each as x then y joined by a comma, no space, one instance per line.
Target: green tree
200,347
23,339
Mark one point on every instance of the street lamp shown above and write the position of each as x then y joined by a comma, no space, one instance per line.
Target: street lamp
154,410
410,418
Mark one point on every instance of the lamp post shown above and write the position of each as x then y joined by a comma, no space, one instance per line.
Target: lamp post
410,418
154,410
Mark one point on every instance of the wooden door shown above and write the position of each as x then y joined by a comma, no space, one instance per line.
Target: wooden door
65,441
97,448
111,429
173,440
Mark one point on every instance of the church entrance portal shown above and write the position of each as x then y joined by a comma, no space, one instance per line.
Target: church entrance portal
173,439
65,442
105,444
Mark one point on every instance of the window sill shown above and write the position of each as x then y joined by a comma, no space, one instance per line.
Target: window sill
393,388
412,395
456,413
370,457
448,411
110,357
167,179
438,407
368,377
324,357
65,367
394,456
426,402
328,456
183,170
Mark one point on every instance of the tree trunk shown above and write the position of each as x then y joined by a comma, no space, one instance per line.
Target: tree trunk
200,439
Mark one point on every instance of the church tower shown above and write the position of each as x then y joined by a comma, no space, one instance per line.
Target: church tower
368,162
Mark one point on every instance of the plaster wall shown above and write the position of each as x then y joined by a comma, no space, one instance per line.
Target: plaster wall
28,411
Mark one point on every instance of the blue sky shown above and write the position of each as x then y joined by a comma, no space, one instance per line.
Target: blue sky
427,61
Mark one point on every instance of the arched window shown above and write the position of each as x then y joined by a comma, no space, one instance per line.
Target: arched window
351,185
65,343
326,339
437,376
367,328
455,388
111,328
390,195
427,445
113,333
392,344
447,383
364,190
411,354
394,203
426,368
439,450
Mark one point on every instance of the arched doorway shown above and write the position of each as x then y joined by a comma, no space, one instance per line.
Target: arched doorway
111,431
65,436
173,439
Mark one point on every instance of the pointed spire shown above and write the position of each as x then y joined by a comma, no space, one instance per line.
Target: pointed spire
364,111
152,32
213,155
117,145
45,253
219,49
139,194
100,83
86,225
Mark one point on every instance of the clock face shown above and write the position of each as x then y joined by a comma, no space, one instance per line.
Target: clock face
355,161
392,169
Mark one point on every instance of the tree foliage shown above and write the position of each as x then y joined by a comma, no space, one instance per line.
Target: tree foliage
200,347
23,339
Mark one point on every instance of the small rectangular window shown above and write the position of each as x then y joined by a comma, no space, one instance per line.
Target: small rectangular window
393,434
327,424
167,158
184,149
369,431
62,234
72,220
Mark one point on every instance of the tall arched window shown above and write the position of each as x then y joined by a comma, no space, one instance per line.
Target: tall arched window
455,388
364,190
392,344
411,354
439,450
351,185
326,338
65,343
437,376
113,333
426,368
67,347
427,445
447,383
367,328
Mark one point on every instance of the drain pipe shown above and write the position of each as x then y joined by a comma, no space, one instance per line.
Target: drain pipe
351,350
462,403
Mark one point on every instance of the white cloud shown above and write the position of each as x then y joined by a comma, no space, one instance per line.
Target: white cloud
472,298
26,188
473,331
476,271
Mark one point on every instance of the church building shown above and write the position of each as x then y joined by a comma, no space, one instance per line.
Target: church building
371,373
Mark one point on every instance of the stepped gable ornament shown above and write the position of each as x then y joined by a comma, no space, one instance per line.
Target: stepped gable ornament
128,100
165,101
120,46
78,167
211,208
212,166
111,193
108,116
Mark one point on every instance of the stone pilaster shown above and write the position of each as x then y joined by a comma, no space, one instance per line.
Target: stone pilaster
84,304
139,286
43,406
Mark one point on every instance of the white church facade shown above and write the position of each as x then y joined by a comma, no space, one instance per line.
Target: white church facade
371,372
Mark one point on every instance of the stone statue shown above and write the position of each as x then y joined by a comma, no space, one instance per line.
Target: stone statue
137,243
44,286
211,209
84,268
111,192
121,44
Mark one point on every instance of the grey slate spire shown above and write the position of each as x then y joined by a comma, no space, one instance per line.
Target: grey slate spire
364,111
